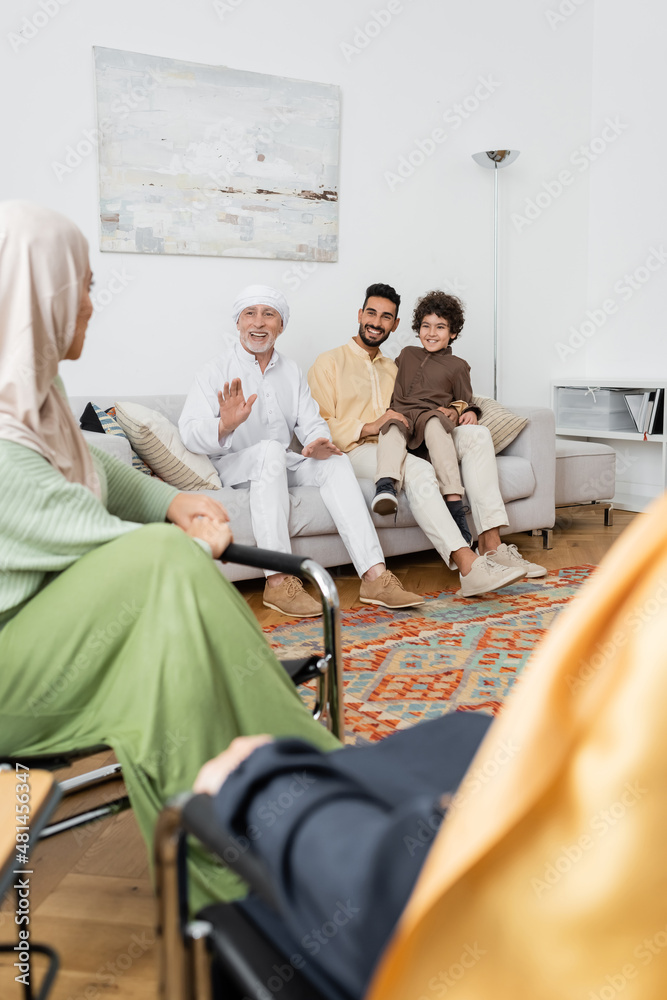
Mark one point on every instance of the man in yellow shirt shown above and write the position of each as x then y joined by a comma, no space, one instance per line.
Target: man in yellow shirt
353,385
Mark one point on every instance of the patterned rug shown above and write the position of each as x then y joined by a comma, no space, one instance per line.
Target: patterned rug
404,666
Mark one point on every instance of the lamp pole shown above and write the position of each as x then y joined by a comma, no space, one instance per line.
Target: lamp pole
493,160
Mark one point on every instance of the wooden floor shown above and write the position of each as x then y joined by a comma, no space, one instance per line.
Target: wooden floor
91,896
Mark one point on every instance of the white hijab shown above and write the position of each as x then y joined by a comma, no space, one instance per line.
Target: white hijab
43,267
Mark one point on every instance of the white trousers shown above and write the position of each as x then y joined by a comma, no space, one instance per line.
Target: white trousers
340,492
479,473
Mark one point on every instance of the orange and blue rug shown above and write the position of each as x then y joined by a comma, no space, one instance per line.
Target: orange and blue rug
450,653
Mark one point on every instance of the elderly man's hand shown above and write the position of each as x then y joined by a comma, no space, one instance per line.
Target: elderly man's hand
215,772
468,417
234,407
322,448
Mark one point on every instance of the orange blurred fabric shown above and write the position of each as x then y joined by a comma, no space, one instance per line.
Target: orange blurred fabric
548,878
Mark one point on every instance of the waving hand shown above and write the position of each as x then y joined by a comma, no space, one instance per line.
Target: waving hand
234,407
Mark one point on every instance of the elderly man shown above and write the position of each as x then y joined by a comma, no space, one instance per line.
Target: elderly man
353,385
242,412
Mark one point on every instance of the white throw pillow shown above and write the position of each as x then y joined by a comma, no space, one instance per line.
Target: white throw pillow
156,440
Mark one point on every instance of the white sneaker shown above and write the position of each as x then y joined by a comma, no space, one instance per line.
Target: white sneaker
486,575
509,555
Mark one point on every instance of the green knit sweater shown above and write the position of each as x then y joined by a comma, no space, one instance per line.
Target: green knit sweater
47,523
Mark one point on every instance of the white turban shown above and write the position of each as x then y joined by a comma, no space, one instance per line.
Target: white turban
261,295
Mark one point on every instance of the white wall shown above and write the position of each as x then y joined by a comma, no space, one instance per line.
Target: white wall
435,229
628,208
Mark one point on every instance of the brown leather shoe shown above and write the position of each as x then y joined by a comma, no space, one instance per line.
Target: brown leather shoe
387,591
290,598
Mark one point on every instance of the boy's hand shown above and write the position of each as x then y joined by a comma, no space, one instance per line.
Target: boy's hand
468,418
450,412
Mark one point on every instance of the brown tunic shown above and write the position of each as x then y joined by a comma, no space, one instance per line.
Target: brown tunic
425,381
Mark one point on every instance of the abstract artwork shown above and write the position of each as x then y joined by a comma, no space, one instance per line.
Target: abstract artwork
207,160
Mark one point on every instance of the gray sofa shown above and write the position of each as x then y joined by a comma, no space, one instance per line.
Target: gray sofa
526,471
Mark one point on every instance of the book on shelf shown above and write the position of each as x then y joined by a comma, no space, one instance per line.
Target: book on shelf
656,422
646,409
634,402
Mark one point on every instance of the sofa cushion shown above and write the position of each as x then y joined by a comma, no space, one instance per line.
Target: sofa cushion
110,426
157,441
503,425
309,516
114,445
515,478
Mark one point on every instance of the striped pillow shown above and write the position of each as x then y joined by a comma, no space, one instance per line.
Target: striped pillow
110,425
156,440
503,425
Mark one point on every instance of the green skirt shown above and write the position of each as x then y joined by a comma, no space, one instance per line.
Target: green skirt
143,645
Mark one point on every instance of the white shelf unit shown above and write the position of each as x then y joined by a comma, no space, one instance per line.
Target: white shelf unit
627,499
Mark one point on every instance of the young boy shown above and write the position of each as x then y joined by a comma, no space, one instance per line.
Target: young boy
433,394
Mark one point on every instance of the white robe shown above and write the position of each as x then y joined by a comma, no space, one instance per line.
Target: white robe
258,451
284,407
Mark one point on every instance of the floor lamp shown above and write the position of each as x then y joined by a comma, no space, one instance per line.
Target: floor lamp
493,160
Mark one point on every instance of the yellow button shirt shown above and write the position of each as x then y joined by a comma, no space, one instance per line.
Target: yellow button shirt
351,390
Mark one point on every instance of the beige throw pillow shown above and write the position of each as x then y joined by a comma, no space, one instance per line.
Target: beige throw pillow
156,440
503,425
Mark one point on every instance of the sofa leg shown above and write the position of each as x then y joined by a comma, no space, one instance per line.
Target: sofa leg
608,515
547,538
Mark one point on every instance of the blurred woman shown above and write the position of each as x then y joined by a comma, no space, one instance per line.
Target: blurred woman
116,627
